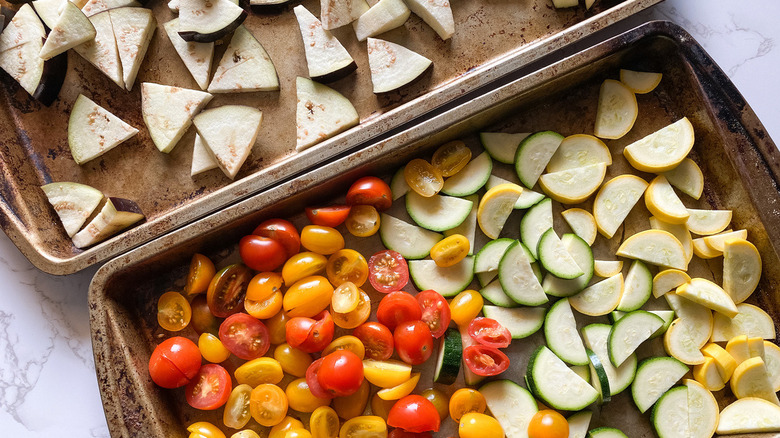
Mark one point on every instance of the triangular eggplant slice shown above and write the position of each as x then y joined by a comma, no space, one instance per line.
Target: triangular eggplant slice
196,56
93,131
168,112
49,10
393,65
244,67
133,30
73,202
383,16
93,7
202,160
206,21
102,51
322,112
326,58
116,215
72,28
437,13
337,13
24,27
229,133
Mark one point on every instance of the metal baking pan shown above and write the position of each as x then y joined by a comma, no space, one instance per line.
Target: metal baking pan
739,161
493,38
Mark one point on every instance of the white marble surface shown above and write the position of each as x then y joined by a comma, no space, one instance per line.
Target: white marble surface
47,380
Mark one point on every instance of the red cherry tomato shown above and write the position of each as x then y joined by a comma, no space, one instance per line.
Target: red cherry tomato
341,373
209,389
413,342
245,336
489,332
312,379
548,424
414,413
435,311
310,334
370,190
397,307
174,362
261,253
283,232
388,271
485,361
400,433
328,216
377,340
227,290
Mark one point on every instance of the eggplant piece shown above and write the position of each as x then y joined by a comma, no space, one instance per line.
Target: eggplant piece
49,11
116,215
168,112
393,66
93,7
438,15
382,17
206,22
52,78
229,132
93,131
197,57
321,113
202,160
133,30
71,29
335,14
326,58
74,203
244,67
102,51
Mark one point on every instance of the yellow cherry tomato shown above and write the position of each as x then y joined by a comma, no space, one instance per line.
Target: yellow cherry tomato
347,265
354,404
308,297
356,317
439,400
465,307
548,424
204,429
259,371
451,157
211,348
201,272
345,298
366,426
301,399
246,433
277,328
399,391
173,311
476,425
322,240
287,423
293,361
348,342
423,178
450,250
379,407
264,295
386,373
297,433
466,400
363,221
324,423
268,404
301,265
236,413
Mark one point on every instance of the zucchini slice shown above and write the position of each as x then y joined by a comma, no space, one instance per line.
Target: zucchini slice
398,185
518,279
654,377
595,337
409,240
606,432
502,146
579,424
511,404
670,414
447,281
494,293
469,226
450,356
560,387
599,298
637,288
489,256
629,332
555,258
560,331
521,322
536,221
533,154
471,178
583,256
599,378
437,213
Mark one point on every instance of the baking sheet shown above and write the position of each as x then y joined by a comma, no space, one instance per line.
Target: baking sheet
493,37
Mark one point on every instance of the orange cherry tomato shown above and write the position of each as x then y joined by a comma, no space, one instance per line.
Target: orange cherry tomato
293,361
548,424
347,265
465,307
303,265
328,216
363,221
370,190
203,320
283,232
308,296
300,397
277,328
201,272
423,178
356,317
466,400
451,157
322,240
173,311
264,295
212,349
268,404
439,400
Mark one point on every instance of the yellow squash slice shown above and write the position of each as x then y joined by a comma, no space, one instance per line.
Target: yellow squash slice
656,247
579,150
704,413
687,178
662,150
751,379
750,320
607,268
680,343
617,110
772,361
749,415
615,200
668,280
599,298
582,223
707,374
640,82
707,222
739,347
741,269
704,251
710,295
664,203
496,206
572,186
680,231
717,241
723,360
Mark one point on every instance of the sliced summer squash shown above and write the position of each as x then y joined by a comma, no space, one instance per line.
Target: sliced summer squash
533,154
596,337
409,240
599,298
572,186
527,199
518,279
751,321
555,258
629,333
536,221
741,269
703,412
668,280
617,110
662,150
637,287
656,247
511,404
664,203
468,227
447,281
583,256
749,415
687,178
398,185
655,376
615,200
640,82
579,150
723,360
607,268
437,213
579,423
560,332
751,379
560,387
680,231
708,294
471,178
708,222
489,256
495,207
670,414
582,223
521,322
718,241
494,293
502,146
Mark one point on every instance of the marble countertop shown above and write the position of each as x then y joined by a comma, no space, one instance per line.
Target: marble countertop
47,375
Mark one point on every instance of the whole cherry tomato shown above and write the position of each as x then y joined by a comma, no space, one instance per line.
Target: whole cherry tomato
377,340
174,362
261,253
283,232
435,311
203,321
548,424
210,389
227,290
397,307
341,373
312,379
485,361
245,336
388,271
414,413
413,341
310,334
328,216
370,190
489,332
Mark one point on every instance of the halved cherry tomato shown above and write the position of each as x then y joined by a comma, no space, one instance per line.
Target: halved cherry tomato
324,423
353,405
341,373
465,307
261,253
423,178
328,216
377,340
281,428
490,332
210,388
349,343
245,336
268,404
308,296
400,433
277,328
203,321
345,298
322,240
413,342
175,362
397,307
364,426
347,265
293,361
283,232
363,221
173,311
264,295
258,371
548,424
227,290
310,334
370,190
356,317
485,361
297,433
201,272
435,311
212,349
313,381
236,413
300,397
381,407
439,400
450,250
414,413
451,157
303,265
388,271
466,400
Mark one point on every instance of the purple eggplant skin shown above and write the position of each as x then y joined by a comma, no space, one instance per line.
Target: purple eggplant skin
17,2
8,13
336,75
214,36
122,204
54,71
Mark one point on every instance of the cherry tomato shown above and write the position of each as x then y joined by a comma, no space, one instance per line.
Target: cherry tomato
300,397
345,298
347,265
370,190
261,253
341,373
476,425
349,343
485,361
268,404
283,232
308,297
293,361
324,423
313,381
400,433
277,328
363,221
377,339
245,336
258,371
246,433
423,178
548,424
388,271
450,250
381,407
414,413
353,405
364,426
397,307
310,335
212,349
435,311
302,265
322,240
489,332
451,157
236,414
439,400
413,341
356,317
174,362
465,307
173,311
210,389
227,290
204,429
264,295
328,216
281,428
200,275
466,400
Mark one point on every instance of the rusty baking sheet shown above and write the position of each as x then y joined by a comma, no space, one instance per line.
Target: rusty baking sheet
737,157
493,37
